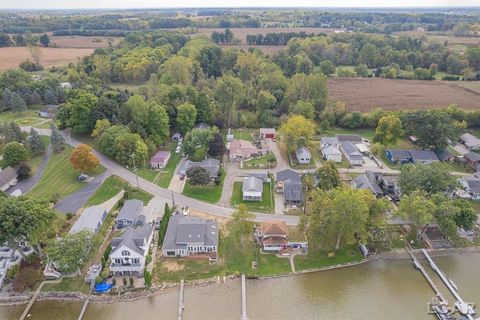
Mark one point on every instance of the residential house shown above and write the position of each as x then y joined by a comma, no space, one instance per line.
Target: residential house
130,250
273,235
8,178
472,159
91,219
303,155
389,185
328,141
252,189
177,136
240,150
332,153
268,133
367,181
351,153
470,141
411,156
187,235
472,186
130,214
160,159
445,155
49,111
290,184
353,138
209,164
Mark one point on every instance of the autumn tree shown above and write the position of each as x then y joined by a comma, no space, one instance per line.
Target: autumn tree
295,128
83,159
328,176
418,208
388,130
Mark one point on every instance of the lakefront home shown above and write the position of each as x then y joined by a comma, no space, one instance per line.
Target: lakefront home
130,250
290,184
130,214
91,220
273,235
188,235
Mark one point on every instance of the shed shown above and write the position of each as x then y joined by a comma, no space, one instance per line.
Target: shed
160,159
268,133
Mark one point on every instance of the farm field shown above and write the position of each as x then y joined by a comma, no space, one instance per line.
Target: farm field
83,41
12,56
366,94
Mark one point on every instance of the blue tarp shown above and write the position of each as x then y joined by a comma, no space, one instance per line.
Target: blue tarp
103,287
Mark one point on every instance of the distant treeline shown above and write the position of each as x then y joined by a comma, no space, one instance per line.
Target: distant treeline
95,33
277,39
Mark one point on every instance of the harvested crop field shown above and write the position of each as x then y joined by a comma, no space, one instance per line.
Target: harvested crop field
241,33
12,56
83,42
366,94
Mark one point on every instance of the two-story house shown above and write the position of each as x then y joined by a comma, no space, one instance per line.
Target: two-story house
129,215
130,249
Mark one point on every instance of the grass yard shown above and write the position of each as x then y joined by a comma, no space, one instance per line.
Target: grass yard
109,188
75,284
138,194
270,264
59,177
147,174
321,259
365,133
266,205
165,176
209,193
243,134
261,162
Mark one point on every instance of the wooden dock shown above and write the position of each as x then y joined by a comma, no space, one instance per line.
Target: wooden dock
84,308
244,299
180,300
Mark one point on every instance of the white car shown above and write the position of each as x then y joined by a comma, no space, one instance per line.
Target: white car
178,149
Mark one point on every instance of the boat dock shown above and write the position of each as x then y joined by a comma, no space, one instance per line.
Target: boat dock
180,300
244,299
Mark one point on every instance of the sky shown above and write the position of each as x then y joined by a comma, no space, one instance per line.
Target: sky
71,4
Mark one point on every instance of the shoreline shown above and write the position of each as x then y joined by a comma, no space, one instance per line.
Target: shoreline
131,296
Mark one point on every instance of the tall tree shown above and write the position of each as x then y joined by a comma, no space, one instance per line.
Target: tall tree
35,143
18,104
12,132
295,128
430,178
328,176
50,98
77,111
83,159
23,218
242,219
216,146
70,252
388,130
56,139
417,207
186,117
7,98
14,153
229,92
44,40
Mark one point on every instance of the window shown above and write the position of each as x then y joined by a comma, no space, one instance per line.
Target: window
118,260
125,253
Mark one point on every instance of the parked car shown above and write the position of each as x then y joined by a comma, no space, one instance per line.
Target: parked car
178,149
82,177
157,224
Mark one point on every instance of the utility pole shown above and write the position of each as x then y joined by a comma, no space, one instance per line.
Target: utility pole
135,169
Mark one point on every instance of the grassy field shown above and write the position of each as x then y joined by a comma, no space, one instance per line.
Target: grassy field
321,259
75,284
209,193
266,205
59,177
109,188
365,133
26,118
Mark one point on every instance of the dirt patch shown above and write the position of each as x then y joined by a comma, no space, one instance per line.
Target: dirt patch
366,94
220,220
83,42
172,265
12,56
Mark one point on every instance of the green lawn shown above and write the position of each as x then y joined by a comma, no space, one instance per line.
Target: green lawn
165,176
269,264
321,259
365,133
140,195
109,188
260,162
243,134
75,284
209,193
9,116
266,205
59,177
147,174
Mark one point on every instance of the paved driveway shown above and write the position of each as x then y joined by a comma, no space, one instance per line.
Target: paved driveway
77,200
28,184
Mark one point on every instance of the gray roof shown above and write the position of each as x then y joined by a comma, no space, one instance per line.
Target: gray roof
350,149
292,191
443,155
7,174
260,175
252,184
187,229
288,174
400,154
302,152
89,219
473,185
472,156
329,141
470,140
133,239
209,164
131,210
367,181
355,138
331,150
423,155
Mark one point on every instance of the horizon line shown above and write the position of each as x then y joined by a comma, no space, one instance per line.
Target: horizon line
246,7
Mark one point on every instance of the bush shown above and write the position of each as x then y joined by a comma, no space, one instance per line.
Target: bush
69,215
12,272
54,197
124,281
14,153
30,66
105,273
147,276
198,176
98,279
23,171
131,281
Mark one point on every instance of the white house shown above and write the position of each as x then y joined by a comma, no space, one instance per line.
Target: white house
332,153
252,189
303,155
91,219
130,250
351,153
188,235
